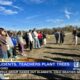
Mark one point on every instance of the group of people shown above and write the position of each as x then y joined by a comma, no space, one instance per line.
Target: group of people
10,41
59,36
34,39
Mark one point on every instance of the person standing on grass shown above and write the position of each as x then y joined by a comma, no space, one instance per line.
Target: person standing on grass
3,44
14,40
26,37
33,39
36,41
30,39
9,44
57,36
75,38
44,38
40,37
20,43
62,36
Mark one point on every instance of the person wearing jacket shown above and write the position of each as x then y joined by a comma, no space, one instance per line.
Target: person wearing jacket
3,44
9,45
20,43
30,39
36,40
57,36
40,37
26,37
62,35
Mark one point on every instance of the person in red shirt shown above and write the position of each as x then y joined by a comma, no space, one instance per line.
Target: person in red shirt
40,37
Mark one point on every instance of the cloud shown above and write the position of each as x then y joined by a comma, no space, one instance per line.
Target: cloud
10,12
5,2
32,17
37,1
34,1
7,11
54,20
8,3
17,7
50,20
1,8
67,14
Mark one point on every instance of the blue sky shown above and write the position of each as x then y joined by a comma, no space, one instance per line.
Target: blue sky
28,14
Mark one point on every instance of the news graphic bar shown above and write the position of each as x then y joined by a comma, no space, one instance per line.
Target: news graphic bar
40,65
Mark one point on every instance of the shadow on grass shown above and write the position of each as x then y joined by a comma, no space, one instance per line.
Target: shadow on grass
64,54
59,59
62,48
52,76
40,60
63,44
59,44
71,44
33,60
62,59
43,60
68,44
51,43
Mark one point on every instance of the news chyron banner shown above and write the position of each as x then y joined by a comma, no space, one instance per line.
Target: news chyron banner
39,67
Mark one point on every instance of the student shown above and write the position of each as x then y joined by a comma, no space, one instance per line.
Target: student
36,41
3,44
33,36
1,56
44,38
30,39
26,37
62,36
57,36
20,43
14,40
40,37
75,38
9,44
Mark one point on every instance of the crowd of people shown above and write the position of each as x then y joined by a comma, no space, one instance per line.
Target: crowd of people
34,39
10,41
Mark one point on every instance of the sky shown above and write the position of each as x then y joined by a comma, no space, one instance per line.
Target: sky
29,14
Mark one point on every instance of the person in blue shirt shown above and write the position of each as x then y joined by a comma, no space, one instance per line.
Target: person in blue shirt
14,40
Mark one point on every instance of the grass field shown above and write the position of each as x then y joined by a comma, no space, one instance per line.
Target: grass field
52,52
